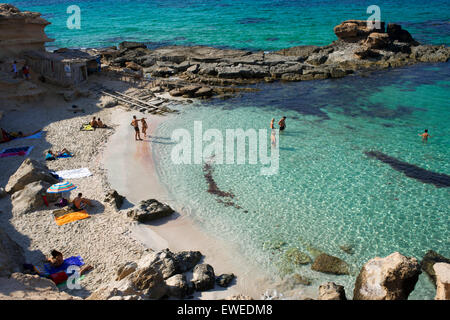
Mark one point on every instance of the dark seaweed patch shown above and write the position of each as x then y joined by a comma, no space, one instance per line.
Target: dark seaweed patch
440,180
253,20
212,185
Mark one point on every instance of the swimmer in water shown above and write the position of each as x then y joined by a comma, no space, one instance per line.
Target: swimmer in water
425,136
282,123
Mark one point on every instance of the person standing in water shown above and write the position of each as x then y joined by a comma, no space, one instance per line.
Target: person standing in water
272,126
425,136
272,129
135,124
144,127
282,123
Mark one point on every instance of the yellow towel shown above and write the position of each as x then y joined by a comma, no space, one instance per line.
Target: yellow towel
71,217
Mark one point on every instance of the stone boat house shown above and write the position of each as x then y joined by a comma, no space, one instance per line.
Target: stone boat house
65,67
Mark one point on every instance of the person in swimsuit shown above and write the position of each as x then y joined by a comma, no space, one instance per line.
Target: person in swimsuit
100,124
56,260
272,126
94,123
282,123
425,136
135,124
144,127
80,203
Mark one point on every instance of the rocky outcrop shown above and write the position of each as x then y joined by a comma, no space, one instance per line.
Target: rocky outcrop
391,278
442,271
31,287
428,261
178,286
21,31
149,210
30,198
125,270
355,30
29,171
396,32
329,264
203,277
331,291
11,255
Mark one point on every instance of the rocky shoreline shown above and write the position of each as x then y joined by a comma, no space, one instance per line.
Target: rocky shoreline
203,72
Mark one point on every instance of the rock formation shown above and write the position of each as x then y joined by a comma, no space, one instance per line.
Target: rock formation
11,255
428,261
355,30
28,172
442,271
204,278
21,31
149,210
391,278
28,287
331,291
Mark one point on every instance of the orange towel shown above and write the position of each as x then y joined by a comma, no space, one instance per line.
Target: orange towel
71,217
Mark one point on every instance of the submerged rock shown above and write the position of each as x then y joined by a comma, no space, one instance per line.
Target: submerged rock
391,278
203,277
297,257
331,291
149,210
442,271
330,264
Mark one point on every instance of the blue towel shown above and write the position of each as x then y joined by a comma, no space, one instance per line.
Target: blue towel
34,136
72,261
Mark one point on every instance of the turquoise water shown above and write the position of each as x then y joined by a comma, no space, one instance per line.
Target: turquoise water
328,192
254,24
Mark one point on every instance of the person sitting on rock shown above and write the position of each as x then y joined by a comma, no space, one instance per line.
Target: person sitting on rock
80,203
94,123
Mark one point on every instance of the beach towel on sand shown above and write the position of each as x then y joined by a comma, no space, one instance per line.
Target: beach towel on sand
74,174
71,217
34,136
19,151
87,127
71,261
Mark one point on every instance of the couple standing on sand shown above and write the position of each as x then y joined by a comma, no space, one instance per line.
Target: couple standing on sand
135,124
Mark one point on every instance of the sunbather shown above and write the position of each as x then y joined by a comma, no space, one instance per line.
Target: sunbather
57,260
94,123
80,203
100,124
52,156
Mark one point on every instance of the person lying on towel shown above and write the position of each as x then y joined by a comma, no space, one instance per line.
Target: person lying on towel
57,259
80,203
52,156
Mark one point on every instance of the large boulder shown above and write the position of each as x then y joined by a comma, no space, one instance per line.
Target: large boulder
30,287
224,280
331,291
28,172
391,278
203,277
125,270
186,260
442,271
428,261
11,255
149,210
149,282
177,286
30,198
162,261
329,264
355,30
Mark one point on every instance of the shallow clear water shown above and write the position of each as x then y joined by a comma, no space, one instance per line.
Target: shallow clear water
328,192
255,24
